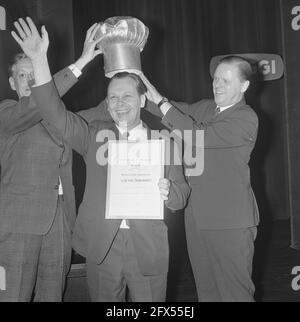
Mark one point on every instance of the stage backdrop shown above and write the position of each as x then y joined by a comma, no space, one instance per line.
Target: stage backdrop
291,36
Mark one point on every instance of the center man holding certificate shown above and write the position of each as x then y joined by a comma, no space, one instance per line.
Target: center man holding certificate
119,228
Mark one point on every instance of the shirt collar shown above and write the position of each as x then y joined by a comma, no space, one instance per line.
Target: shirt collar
136,134
223,108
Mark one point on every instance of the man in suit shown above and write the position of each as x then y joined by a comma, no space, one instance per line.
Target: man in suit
222,214
120,253
37,204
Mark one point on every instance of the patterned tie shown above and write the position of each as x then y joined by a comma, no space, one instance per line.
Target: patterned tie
217,111
124,136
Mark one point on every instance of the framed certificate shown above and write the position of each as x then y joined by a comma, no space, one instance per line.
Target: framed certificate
134,170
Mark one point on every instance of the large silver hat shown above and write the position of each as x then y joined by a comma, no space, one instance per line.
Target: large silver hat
121,41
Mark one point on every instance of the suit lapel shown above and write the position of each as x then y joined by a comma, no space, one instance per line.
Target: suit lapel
116,131
211,112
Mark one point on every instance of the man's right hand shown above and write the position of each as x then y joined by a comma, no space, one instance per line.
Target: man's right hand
28,37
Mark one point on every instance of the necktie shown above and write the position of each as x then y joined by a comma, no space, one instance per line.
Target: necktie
124,136
217,111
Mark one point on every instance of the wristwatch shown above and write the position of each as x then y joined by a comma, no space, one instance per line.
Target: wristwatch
163,100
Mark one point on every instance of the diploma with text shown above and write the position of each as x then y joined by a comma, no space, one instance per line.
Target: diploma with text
134,170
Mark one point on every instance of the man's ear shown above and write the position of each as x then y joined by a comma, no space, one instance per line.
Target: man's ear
245,86
12,83
143,100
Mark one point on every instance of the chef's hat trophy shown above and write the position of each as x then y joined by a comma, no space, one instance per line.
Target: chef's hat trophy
122,41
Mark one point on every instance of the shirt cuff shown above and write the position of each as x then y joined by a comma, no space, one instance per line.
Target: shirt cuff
165,107
75,70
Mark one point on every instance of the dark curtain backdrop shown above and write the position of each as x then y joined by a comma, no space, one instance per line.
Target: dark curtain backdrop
184,36
291,37
56,15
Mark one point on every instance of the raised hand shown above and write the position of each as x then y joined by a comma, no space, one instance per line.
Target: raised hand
152,94
28,37
89,51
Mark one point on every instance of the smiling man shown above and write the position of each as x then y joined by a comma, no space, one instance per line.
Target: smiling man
230,82
222,214
122,99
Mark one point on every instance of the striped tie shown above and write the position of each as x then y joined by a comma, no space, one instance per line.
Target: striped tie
218,110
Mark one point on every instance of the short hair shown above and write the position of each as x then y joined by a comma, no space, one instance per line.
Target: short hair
140,86
15,60
244,66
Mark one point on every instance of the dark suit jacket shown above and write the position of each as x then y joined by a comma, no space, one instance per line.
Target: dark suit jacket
93,234
222,197
32,158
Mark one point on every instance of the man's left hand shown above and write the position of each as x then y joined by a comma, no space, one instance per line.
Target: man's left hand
164,188
90,50
152,94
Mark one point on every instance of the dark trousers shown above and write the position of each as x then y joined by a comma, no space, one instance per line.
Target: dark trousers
222,262
36,264
120,271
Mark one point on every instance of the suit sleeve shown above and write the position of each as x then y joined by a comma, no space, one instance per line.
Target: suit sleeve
155,110
98,113
64,80
16,117
179,190
237,129
72,128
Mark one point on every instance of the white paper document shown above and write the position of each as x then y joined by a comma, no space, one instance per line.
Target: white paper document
134,170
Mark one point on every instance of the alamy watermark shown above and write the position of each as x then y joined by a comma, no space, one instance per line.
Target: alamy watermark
2,279
296,280
2,18
183,148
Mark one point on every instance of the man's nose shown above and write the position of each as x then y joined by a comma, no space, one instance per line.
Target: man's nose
119,102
